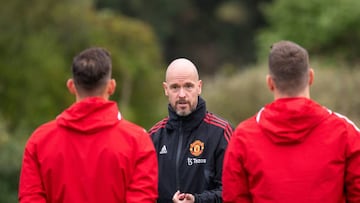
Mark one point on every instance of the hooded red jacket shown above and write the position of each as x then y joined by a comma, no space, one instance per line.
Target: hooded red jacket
293,151
89,154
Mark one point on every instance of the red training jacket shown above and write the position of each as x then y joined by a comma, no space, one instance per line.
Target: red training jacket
89,154
293,151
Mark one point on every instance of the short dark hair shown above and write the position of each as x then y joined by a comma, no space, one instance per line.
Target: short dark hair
288,67
91,69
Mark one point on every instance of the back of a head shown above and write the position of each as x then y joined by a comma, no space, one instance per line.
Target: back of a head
289,66
91,70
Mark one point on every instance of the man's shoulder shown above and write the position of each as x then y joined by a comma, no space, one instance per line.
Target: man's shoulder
219,124
217,121
159,125
251,121
42,133
131,127
340,119
248,125
44,129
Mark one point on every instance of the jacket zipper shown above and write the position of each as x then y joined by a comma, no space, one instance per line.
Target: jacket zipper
178,153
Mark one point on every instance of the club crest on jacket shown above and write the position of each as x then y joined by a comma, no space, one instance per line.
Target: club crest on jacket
197,147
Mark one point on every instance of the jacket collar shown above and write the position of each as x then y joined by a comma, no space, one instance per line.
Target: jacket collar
291,120
90,115
190,121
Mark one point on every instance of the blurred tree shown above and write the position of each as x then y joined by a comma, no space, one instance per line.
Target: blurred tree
210,32
246,91
136,62
324,27
10,159
37,43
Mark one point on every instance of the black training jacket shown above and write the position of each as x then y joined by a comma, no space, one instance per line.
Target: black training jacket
190,152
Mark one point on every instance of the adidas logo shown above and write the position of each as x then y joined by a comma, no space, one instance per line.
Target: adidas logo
163,150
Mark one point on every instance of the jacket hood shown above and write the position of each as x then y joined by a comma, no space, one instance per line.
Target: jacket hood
90,115
290,120
190,121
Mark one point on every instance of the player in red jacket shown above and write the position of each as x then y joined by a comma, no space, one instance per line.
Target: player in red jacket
89,154
293,150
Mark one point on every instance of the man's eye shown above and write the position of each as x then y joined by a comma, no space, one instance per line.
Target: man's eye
189,86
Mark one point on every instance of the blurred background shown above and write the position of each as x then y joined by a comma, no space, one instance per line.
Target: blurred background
228,40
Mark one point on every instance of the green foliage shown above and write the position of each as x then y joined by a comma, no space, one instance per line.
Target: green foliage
246,91
245,94
34,63
35,83
136,63
159,13
336,87
37,49
211,33
10,159
324,27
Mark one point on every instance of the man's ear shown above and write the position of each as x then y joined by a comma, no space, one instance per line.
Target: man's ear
165,89
311,76
111,87
270,82
71,86
200,86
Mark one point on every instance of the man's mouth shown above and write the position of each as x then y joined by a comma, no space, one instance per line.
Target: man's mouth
182,104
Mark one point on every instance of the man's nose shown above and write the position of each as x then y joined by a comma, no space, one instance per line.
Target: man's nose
182,92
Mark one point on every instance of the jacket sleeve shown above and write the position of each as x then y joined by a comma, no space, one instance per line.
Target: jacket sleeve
144,183
235,180
30,186
215,195
352,173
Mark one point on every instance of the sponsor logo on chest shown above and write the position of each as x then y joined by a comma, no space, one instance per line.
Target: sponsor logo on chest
196,149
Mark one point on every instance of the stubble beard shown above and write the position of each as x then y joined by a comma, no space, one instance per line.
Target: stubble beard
185,111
